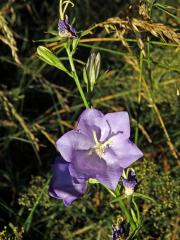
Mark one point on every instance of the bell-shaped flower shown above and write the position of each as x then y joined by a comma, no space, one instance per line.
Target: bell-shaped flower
129,182
65,29
99,147
63,186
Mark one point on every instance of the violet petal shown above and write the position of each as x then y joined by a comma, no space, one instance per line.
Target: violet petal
123,150
63,186
93,120
86,165
119,122
70,141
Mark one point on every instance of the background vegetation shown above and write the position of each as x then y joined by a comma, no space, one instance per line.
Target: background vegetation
138,42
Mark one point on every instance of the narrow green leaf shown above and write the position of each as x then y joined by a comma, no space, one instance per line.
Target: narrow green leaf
47,56
29,219
137,211
134,216
142,196
118,198
164,9
75,44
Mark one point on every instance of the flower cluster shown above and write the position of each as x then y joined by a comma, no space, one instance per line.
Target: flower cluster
99,147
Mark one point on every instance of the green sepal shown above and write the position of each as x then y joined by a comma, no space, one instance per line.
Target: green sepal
93,181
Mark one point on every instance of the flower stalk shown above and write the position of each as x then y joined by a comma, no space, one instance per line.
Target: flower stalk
61,9
75,76
125,211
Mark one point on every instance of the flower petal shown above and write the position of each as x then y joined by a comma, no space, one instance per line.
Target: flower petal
63,186
85,165
123,150
111,176
93,120
89,115
119,122
70,141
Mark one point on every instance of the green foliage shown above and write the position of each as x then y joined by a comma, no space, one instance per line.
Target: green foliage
38,103
160,218
74,223
11,233
29,198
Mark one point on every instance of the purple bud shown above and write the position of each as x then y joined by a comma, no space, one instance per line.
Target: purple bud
130,182
65,29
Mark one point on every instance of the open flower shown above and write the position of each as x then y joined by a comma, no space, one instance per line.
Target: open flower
99,147
65,29
129,182
63,186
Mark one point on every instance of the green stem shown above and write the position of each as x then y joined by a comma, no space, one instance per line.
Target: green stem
109,190
75,77
126,212
61,9
139,96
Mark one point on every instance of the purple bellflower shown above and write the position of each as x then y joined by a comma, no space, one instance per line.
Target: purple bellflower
63,186
99,147
65,29
129,182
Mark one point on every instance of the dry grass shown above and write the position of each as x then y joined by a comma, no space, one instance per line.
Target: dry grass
7,37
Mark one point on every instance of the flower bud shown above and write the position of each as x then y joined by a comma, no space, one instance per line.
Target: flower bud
91,72
129,182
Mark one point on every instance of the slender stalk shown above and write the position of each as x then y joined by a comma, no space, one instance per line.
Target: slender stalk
109,190
139,95
123,207
61,9
66,5
75,77
126,212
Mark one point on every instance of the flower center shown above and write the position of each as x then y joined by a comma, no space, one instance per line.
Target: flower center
99,147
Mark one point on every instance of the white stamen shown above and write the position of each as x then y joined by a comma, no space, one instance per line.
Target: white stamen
99,147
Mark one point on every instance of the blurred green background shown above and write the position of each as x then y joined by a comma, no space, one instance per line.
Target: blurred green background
38,103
